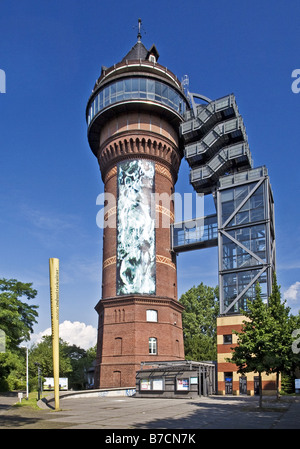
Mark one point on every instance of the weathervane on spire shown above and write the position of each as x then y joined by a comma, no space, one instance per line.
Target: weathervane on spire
140,27
139,36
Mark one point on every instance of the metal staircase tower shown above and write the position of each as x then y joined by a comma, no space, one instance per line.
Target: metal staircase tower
217,151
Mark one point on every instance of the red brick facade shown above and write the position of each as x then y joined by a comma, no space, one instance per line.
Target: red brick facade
123,331
123,337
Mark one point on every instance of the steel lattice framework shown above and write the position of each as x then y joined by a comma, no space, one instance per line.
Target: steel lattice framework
216,148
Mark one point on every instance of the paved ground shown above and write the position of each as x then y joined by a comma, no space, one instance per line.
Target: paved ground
133,413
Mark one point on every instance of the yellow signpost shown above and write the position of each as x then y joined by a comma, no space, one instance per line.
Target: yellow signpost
54,296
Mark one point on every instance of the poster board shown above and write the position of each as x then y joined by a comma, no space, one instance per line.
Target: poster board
157,384
145,384
183,384
194,380
49,383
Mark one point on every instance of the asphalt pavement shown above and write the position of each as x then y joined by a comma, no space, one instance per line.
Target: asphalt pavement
107,413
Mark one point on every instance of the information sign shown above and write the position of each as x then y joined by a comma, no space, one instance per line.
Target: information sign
183,384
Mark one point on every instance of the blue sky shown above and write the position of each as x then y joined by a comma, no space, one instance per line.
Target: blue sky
52,53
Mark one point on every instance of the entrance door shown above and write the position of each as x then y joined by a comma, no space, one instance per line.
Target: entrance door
228,383
243,385
256,385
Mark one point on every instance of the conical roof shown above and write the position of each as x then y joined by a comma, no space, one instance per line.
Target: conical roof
138,51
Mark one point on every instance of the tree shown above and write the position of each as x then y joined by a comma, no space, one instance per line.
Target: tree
42,353
16,323
73,361
16,316
265,343
280,357
12,371
254,341
295,326
81,360
199,322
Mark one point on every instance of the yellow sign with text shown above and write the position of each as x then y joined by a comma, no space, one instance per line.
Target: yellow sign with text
54,297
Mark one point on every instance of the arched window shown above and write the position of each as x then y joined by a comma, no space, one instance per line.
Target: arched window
152,345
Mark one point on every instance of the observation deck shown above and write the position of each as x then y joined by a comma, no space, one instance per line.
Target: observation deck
134,85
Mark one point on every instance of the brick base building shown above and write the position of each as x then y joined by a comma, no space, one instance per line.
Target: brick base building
229,380
132,330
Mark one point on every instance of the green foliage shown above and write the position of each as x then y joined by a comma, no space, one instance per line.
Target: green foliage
11,368
199,322
253,342
200,348
287,383
16,321
16,316
265,342
31,402
281,356
81,361
73,362
254,345
42,354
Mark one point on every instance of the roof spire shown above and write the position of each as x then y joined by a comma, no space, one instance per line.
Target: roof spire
139,36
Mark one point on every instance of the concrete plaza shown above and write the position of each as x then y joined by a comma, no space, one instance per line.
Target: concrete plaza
215,412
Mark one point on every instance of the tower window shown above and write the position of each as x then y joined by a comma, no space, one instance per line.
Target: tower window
135,88
151,315
227,339
152,345
152,58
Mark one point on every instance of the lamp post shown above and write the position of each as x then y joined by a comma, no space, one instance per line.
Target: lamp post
27,377
39,380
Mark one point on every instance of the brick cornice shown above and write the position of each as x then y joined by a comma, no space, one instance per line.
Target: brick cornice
137,145
139,299
137,133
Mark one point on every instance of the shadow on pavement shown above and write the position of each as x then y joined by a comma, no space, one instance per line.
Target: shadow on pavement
28,418
17,421
236,413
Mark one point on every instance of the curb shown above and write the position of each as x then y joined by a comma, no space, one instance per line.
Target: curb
45,403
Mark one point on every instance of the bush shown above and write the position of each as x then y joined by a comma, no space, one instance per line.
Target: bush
287,383
3,385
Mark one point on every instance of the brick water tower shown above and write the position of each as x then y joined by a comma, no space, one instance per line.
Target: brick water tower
133,117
